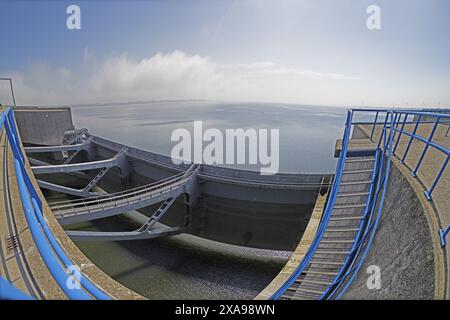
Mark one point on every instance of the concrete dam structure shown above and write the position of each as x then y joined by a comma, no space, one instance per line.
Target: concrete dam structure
222,204
376,229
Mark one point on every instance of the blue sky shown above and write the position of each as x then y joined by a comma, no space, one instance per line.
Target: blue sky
316,51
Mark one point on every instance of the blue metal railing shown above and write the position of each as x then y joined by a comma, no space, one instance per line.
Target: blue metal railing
428,143
52,253
417,121
326,216
363,243
393,124
441,118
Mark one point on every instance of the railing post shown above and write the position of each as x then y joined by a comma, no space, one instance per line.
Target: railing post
395,123
442,234
374,124
414,173
384,127
448,129
441,171
400,133
411,138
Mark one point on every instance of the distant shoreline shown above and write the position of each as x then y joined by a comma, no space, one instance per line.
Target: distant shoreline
99,104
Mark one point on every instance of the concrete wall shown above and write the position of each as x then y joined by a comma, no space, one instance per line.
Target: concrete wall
43,126
358,133
402,248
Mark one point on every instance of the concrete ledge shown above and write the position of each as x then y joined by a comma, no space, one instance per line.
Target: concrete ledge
355,146
299,252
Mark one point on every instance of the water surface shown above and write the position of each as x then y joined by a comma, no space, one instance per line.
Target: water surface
307,133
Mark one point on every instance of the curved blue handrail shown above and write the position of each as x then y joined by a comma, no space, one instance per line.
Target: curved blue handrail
50,259
37,204
368,224
50,250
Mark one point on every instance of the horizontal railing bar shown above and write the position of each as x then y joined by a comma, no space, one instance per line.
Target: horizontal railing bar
382,123
135,190
424,140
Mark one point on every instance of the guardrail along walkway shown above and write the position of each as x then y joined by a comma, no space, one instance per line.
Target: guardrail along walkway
103,206
349,221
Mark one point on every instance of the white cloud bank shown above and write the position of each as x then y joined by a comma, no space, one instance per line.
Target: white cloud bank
177,75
